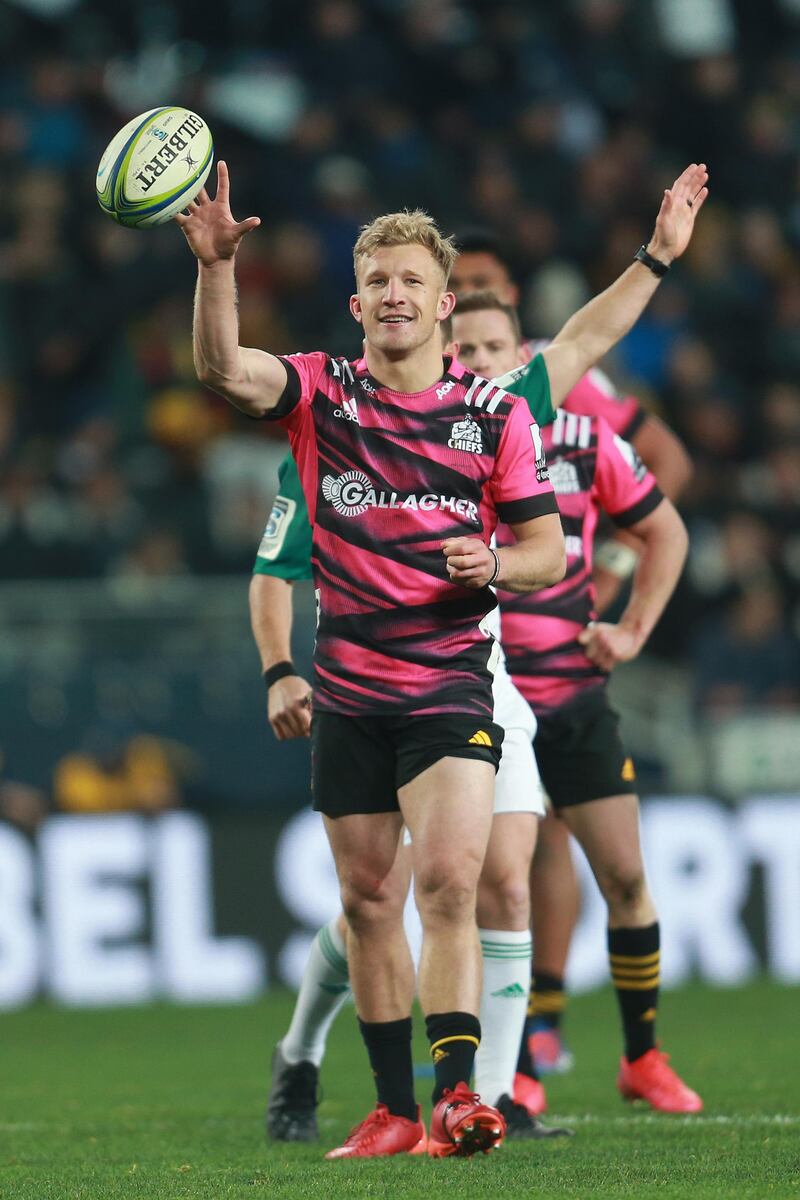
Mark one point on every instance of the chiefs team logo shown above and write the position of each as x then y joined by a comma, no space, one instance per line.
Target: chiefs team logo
348,493
466,435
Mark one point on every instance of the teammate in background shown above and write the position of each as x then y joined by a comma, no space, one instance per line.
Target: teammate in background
503,906
483,263
559,656
400,602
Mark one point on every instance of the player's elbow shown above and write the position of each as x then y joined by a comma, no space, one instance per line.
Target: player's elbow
556,567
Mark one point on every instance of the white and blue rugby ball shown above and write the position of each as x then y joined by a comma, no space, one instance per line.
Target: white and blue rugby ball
154,167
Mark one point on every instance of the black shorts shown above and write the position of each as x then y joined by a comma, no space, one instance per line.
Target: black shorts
580,753
359,763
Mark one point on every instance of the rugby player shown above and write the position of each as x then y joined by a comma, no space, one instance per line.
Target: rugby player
284,556
484,263
403,728
560,657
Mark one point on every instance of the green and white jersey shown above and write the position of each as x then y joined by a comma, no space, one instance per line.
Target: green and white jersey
285,549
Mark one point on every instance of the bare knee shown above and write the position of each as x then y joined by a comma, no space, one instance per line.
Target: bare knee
624,889
446,892
504,902
369,900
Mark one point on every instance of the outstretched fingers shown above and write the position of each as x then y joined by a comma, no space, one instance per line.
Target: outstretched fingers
699,200
243,227
223,182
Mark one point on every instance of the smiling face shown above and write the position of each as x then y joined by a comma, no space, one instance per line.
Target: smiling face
401,298
488,342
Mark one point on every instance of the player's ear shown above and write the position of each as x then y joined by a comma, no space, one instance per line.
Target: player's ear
355,309
447,302
522,356
452,349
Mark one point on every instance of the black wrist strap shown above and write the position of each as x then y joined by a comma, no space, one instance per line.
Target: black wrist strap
655,265
278,671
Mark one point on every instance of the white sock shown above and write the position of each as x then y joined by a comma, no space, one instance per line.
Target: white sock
325,988
504,1004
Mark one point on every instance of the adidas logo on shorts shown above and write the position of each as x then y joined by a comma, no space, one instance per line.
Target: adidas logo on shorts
480,738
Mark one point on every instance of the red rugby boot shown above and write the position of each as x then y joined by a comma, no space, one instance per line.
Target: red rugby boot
650,1078
530,1094
462,1125
382,1133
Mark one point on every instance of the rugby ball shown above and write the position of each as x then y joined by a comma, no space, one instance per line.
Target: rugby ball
154,167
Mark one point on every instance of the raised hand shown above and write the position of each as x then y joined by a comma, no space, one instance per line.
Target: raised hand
676,217
209,226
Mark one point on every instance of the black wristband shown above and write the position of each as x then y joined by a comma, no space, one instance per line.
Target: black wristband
655,265
496,571
278,671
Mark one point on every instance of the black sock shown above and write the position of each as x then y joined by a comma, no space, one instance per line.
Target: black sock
389,1048
454,1038
547,1000
635,957
525,1063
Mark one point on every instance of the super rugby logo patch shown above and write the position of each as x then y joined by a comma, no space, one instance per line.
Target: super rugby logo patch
280,518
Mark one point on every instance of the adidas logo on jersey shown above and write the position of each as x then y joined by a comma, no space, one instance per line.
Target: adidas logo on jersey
348,411
466,435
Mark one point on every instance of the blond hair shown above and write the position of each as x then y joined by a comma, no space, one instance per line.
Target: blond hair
406,229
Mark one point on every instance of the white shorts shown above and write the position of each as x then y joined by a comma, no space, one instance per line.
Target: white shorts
518,787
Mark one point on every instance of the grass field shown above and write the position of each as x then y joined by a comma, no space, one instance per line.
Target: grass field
167,1103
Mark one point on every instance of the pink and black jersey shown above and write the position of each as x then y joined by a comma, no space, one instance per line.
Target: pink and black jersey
594,394
388,477
591,468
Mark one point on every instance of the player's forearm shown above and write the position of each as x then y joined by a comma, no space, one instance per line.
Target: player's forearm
216,324
271,619
663,554
597,327
535,563
250,379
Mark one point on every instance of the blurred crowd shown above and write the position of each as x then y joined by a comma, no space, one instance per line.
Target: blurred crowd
555,125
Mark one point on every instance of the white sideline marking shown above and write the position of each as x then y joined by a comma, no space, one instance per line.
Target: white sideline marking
766,1119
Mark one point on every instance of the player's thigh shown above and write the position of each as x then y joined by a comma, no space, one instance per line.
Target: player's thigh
608,832
448,810
365,850
552,843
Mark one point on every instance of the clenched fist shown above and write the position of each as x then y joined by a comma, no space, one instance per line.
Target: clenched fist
470,562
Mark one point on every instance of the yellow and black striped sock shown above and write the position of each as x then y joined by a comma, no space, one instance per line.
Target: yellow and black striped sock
635,959
547,999
454,1038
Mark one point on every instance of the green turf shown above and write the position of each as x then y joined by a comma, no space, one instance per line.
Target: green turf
167,1103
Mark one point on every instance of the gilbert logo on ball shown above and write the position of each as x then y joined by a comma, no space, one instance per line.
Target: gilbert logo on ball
154,167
